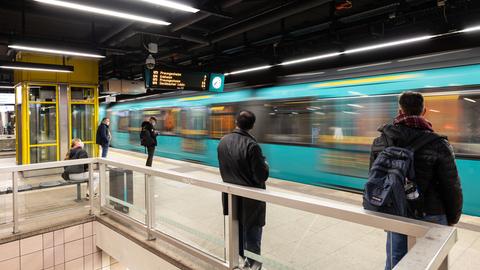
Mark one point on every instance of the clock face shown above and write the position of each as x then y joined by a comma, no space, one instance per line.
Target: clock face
217,82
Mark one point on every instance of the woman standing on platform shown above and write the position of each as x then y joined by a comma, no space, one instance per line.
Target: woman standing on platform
104,136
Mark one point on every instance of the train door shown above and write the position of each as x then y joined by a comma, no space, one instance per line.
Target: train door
194,129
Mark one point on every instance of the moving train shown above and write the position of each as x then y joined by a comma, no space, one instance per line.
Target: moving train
318,131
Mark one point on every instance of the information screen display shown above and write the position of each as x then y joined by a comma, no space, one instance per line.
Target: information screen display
178,80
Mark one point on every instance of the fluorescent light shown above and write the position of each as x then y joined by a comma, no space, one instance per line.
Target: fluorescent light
350,112
172,4
101,11
355,105
435,111
470,29
36,69
6,87
248,70
294,112
53,51
389,44
318,57
319,113
471,100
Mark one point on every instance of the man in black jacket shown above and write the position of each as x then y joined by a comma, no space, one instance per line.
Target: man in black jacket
104,136
242,163
148,138
436,175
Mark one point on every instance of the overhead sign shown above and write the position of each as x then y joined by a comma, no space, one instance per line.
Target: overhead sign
163,79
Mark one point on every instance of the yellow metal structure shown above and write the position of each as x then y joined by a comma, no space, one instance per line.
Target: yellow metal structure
85,75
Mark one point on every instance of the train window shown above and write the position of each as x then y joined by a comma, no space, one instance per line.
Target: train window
222,121
456,116
289,122
167,119
194,121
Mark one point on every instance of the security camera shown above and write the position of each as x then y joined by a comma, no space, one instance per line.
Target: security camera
150,62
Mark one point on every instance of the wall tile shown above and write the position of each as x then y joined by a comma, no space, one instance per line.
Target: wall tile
97,260
88,262
73,233
58,237
50,268
48,258
11,264
59,254
31,244
73,250
87,229
60,267
48,240
88,245
95,248
105,259
9,251
74,265
32,261
117,266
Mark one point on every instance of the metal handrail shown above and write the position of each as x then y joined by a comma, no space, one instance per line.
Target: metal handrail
432,241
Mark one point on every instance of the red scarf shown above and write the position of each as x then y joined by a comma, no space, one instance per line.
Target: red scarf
413,121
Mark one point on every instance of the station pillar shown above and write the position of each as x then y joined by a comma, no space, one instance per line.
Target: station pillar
52,108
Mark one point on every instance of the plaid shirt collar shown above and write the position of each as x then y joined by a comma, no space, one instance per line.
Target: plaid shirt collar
413,121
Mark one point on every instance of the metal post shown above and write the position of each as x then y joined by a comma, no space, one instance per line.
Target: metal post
15,177
90,187
233,233
103,180
149,219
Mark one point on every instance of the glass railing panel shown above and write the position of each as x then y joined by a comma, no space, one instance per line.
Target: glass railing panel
294,239
44,192
6,213
124,191
191,214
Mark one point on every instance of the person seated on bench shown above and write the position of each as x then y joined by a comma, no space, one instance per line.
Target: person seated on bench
79,172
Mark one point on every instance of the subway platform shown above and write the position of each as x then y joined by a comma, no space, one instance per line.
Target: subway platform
292,239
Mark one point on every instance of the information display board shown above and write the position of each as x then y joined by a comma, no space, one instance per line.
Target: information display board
164,79
176,80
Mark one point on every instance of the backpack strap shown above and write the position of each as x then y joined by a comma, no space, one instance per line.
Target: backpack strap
423,140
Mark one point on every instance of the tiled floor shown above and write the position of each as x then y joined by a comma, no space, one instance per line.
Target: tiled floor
292,239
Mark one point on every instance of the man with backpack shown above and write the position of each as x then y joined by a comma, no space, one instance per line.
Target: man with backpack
148,138
412,174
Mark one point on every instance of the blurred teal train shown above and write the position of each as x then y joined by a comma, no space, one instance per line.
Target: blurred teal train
317,132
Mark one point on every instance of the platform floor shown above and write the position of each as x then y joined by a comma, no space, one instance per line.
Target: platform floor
292,239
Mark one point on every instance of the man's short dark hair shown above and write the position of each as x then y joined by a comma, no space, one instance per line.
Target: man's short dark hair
411,103
246,120
153,118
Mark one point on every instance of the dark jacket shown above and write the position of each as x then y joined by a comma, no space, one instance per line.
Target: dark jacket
242,163
103,134
77,153
435,171
148,135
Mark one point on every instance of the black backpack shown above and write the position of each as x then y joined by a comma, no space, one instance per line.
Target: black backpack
145,137
385,189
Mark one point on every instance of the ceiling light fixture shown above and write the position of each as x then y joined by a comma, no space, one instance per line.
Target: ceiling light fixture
470,100
36,67
248,70
174,5
470,29
6,87
318,57
101,11
390,44
53,51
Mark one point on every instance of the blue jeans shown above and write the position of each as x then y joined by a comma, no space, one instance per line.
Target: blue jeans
104,150
397,245
251,238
